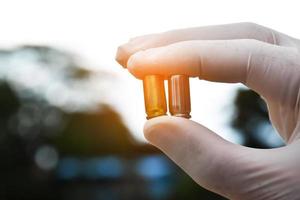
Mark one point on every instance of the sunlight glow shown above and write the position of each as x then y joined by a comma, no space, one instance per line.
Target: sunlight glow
94,29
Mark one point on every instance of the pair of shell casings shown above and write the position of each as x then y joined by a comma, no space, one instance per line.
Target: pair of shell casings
178,94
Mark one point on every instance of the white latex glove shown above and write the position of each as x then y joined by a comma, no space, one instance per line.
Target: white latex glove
262,59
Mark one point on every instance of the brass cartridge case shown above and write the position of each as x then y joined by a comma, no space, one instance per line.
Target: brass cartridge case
179,96
154,95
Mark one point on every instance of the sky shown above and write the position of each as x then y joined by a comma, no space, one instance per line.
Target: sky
94,29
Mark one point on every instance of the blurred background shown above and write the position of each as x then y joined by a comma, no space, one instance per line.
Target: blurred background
71,118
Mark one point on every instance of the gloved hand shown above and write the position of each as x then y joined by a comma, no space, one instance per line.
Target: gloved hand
262,59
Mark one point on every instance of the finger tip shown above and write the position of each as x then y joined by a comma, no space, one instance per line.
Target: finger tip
135,65
122,56
160,126
153,127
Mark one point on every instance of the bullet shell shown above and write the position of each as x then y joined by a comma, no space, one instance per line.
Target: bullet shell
154,96
179,96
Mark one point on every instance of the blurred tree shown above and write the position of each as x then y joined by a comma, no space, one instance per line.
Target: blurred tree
251,119
30,118
98,133
49,112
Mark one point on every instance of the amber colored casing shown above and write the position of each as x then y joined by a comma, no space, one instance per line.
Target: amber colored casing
154,96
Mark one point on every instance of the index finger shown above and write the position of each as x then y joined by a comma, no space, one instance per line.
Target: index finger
218,32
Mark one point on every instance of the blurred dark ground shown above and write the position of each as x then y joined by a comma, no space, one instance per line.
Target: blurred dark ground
52,146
